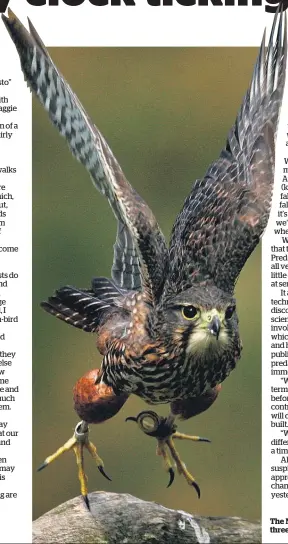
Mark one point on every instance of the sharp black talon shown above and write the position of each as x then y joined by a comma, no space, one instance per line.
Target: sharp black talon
101,469
87,502
204,440
197,488
131,418
44,465
171,476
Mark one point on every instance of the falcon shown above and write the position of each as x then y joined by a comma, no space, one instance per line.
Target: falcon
166,321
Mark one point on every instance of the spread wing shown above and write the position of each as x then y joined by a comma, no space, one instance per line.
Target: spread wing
227,211
140,253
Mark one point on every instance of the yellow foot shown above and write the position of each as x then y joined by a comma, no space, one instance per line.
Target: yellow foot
77,443
164,430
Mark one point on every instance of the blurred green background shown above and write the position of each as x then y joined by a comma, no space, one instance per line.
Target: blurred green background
166,113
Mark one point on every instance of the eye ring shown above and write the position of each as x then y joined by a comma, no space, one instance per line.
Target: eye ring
229,312
190,312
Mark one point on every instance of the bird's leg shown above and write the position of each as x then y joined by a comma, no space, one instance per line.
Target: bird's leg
181,467
164,430
94,402
77,443
161,450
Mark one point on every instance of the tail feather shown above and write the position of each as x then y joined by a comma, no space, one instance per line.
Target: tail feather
77,307
106,289
54,307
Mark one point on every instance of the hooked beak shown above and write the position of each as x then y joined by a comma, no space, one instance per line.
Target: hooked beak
215,326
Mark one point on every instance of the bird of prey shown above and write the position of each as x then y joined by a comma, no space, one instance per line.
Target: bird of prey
166,321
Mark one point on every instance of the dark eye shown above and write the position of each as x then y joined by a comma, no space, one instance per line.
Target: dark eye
229,312
190,312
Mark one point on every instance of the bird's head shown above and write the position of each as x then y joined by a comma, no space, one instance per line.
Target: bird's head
199,320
